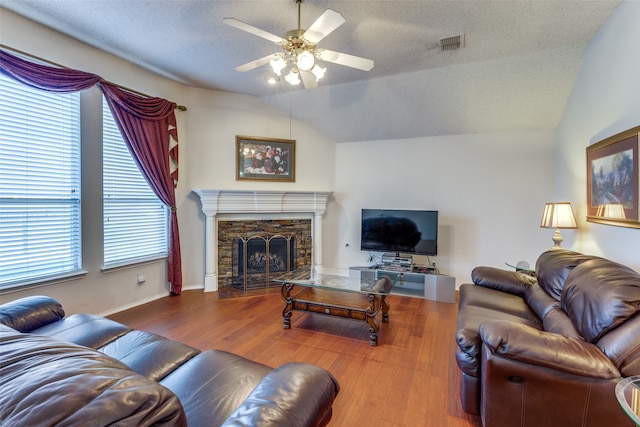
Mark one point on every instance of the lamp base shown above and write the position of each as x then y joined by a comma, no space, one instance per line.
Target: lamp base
557,239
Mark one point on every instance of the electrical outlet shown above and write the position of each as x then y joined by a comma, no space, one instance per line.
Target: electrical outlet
141,279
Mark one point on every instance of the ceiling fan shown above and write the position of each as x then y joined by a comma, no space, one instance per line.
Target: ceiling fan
301,51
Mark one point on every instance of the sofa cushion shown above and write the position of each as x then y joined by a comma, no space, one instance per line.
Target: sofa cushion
84,329
45,381
489,298
470,318
213,384
622,346
599,295
149,354
553,267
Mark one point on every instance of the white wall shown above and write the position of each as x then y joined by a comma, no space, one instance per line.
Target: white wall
605,101
489,189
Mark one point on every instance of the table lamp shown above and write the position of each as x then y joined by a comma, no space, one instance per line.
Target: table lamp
558,215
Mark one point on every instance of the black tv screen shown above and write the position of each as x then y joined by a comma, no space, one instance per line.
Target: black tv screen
408,231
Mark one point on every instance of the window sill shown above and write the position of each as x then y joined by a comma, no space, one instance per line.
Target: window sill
39,283
132,263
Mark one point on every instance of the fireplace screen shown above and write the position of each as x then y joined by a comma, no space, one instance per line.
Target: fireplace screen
258,256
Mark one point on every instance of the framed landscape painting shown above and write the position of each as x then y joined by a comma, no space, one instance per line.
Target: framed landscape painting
612,180
270,159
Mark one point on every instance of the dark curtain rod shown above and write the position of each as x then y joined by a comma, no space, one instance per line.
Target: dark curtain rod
3,46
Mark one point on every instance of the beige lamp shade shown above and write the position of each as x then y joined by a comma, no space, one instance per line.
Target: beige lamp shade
558,215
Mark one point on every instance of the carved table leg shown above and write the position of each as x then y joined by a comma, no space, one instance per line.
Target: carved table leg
285,291
372,311
385,309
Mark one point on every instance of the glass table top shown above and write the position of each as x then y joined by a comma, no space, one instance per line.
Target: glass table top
628,395
308,278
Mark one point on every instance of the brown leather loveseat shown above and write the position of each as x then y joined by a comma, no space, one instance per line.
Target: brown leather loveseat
549,350
87,370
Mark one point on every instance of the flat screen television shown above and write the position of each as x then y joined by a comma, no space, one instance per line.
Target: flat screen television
400,231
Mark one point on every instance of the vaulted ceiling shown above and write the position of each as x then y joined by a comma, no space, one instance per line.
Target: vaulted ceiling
515,70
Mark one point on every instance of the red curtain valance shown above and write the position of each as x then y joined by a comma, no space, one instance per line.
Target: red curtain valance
45,77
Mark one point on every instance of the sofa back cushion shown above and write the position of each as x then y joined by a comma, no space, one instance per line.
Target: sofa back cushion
50,382
599,295
553,268
539,300
27,314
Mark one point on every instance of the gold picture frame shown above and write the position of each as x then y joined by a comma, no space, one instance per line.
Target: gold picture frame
612,180
265,159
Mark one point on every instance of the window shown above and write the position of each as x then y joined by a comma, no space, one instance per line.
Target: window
135,220
40,236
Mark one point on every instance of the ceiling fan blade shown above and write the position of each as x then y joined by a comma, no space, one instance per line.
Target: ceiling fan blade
323,26
257,63
308,79
346,59
253,30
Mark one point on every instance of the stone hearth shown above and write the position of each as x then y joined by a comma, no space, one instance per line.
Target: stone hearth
231,214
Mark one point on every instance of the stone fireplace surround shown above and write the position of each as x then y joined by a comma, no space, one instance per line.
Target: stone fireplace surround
239,205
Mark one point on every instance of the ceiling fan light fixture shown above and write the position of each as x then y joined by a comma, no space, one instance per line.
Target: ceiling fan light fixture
318,71
292,78
298,61
305,61
278,64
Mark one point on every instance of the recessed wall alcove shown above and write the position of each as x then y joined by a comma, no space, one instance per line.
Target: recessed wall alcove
235,214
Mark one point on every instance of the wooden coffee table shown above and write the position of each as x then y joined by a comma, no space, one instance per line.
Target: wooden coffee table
339,296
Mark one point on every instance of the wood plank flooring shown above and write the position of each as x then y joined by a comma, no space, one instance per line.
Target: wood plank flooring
409,379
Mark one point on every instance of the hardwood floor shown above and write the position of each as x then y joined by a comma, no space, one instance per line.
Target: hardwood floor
409,379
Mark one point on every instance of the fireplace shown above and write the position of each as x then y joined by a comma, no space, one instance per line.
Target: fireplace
233,215
260,257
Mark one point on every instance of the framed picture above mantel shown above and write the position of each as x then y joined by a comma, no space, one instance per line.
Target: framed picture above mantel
612,180
267,159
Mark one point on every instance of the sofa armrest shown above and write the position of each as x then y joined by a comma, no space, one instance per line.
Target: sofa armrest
529,345
295,394
502,280
29,313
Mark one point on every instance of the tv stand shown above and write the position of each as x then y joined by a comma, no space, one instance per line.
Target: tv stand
431,286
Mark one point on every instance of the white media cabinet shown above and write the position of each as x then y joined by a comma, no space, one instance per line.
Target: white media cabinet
435,287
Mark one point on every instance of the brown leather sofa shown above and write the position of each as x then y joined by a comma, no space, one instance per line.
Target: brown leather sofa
91,371
549,350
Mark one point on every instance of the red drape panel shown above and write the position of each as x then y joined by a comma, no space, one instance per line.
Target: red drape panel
45,77
146,124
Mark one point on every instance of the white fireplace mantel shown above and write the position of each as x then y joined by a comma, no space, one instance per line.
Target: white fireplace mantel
238,202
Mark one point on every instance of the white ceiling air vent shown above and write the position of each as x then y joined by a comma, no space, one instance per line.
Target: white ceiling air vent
451,43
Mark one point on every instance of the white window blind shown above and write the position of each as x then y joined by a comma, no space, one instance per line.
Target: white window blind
39,184
135,220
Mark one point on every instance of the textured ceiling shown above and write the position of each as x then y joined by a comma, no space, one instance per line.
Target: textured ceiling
516,70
